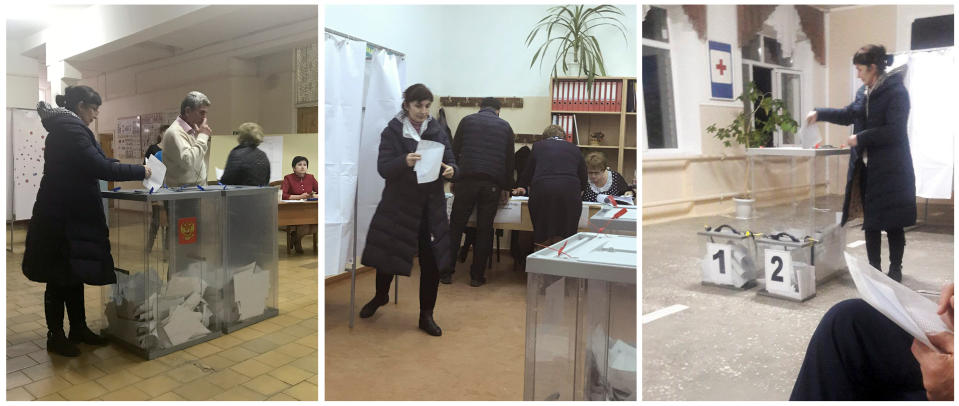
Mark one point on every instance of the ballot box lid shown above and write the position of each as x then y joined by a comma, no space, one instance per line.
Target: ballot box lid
187,192
625,222
605,257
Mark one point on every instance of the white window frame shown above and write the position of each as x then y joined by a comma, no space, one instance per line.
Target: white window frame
668,46
777,71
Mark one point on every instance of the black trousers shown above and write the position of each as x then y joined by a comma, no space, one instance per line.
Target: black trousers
54,299
429,273
484,196
856,353
897,245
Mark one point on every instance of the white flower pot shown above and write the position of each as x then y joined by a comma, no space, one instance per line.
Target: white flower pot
744,208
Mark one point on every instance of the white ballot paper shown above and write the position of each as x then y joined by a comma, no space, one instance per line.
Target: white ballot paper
809,136
908,309
428,167
158,171
219,173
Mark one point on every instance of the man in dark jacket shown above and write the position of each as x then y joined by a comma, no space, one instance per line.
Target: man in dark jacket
483,148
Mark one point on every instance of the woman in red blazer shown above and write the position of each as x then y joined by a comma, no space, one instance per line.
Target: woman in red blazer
297,186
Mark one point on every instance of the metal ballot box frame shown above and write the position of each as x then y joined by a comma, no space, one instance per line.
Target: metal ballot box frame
729,259
581,320
625,224
789,267
172,250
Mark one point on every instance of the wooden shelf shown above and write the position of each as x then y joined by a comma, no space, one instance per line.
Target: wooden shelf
618,126
610,113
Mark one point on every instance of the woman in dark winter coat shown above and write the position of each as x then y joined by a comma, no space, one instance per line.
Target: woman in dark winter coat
247,164
68,240
555,177
880,184
411,216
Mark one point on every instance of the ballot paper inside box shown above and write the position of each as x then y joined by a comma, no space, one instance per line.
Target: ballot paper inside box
615,219
729,258
581,320
174,255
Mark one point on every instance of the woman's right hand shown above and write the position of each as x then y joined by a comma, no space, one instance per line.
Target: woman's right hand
411,158
147,172
519,191
812,117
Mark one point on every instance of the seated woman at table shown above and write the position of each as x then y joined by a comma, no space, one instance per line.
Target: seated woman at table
297,186
247,164
603,181
555,177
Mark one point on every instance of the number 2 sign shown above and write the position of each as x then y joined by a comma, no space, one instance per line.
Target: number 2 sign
779,273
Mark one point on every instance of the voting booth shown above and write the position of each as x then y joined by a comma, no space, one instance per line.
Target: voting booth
729,259
581,320
191,265
616,219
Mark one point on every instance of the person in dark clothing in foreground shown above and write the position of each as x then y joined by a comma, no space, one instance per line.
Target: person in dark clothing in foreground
857,353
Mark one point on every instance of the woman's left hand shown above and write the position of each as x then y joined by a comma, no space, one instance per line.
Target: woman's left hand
447,171
852,141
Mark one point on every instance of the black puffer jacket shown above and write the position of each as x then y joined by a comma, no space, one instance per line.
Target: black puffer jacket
246,165
880,121
483,147
68,240
392,240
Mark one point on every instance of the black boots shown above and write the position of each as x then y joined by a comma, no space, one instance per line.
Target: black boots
446,278
57,343
428,325
370,307
86,336
895,272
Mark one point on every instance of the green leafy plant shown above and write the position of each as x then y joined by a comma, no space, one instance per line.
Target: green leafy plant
744,130
569,30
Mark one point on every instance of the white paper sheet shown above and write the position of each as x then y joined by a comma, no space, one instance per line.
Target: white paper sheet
251,289
272,146
428,167
158,171
219,173
183,325
909,310
809,136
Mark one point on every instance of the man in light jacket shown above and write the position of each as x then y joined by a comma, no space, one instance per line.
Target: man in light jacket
186,143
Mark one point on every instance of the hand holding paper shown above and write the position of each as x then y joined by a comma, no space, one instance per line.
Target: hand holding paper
157,172
428,167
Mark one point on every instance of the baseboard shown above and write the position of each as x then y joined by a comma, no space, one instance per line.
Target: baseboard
346,275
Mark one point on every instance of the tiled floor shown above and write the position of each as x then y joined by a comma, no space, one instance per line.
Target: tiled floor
275,359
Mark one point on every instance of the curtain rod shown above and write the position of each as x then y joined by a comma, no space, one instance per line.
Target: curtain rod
350,37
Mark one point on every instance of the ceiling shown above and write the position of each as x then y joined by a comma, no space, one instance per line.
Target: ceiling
238,21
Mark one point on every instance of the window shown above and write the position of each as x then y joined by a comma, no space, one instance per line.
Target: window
658,105
765,65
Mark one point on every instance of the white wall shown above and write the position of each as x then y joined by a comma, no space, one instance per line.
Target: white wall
473,50
23,78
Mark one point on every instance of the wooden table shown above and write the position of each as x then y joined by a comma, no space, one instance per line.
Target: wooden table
297,213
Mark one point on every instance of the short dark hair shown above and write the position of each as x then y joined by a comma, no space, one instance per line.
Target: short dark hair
73,95
415,93
490,102
297,160
872,55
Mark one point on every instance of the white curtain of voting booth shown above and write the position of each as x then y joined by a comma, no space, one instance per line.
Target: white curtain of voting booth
931,81
384,96
344,68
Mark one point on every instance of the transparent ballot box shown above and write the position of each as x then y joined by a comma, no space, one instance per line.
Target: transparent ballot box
615,220
729,259
581,320
191,264
788,266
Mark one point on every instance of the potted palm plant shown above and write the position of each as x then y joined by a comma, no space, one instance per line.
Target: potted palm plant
570,31
746,131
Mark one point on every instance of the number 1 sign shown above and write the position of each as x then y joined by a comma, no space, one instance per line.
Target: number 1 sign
719,268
